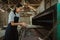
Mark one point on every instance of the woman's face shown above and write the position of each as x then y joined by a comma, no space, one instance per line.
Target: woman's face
19,9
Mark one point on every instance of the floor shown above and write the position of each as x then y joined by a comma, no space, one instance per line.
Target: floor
26,35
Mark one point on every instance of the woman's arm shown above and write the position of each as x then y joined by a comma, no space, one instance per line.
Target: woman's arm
15,24
20,23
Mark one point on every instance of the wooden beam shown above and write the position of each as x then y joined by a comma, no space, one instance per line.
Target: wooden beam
23,1
34,4
2,10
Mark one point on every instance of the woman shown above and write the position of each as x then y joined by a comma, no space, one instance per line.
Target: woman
11,31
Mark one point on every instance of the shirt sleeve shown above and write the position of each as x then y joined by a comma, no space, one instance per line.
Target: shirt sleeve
11,17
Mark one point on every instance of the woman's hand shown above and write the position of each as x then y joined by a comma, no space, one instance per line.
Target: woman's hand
23,24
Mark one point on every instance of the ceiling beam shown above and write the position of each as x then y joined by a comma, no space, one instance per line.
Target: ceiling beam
23,1
34,4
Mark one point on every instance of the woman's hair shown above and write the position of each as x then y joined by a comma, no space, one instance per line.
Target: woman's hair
18,5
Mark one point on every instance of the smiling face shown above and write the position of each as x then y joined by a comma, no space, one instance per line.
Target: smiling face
19,9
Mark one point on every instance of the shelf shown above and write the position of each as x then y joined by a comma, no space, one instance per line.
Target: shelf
47,18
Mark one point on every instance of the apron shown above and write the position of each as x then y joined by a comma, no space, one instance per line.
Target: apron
11,31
